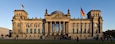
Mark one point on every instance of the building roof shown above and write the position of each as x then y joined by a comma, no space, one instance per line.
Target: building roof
57,12
22,10
4,31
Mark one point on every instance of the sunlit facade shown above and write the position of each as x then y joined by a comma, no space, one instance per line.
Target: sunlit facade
56,24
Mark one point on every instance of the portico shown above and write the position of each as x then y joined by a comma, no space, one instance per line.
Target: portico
56,27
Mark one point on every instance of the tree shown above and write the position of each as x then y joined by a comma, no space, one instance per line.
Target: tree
7,35
2,36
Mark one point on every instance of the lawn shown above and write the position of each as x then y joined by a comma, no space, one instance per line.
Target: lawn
54,42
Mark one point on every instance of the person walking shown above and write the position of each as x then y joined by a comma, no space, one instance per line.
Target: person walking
77,39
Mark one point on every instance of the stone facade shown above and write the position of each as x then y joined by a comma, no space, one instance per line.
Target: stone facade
4,32
56,24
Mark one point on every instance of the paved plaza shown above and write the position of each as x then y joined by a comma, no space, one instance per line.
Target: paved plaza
56,42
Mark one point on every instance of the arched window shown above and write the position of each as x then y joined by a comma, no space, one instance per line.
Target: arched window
30,30
27,30
34,30
38,30
19,25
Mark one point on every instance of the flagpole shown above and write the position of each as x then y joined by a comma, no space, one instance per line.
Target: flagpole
80,21
22,7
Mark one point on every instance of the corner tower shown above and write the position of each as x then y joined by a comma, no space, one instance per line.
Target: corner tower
20,15
96,22
17,21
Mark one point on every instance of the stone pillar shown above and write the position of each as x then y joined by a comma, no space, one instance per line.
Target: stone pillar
40,28
100,29
50,28
14,29
59,28
64,28
101,33
67,28
46,28
90,27
20,30
75,28
54,28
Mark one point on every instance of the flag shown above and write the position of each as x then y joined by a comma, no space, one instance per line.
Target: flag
82,13
22,6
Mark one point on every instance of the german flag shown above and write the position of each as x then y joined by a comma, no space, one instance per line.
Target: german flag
22,6
82,12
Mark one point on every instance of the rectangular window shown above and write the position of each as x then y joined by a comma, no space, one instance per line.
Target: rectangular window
38,30
34,30
30,30
26,30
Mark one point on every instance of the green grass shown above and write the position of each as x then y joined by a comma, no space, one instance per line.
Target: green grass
54,42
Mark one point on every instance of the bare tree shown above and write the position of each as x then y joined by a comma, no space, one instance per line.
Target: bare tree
2,36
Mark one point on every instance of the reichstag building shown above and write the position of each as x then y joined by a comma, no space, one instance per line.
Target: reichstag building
56,25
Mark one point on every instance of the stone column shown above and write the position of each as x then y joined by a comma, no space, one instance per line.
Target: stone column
59,28
46,28
40,28
50,28
21,29
64,28
90,25
14,29
54,28
100,27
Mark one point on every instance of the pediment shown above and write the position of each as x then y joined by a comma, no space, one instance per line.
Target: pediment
58,16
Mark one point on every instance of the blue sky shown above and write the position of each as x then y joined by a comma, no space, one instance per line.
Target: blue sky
36,8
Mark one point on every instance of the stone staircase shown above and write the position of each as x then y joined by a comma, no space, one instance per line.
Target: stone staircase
53,37
56,37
